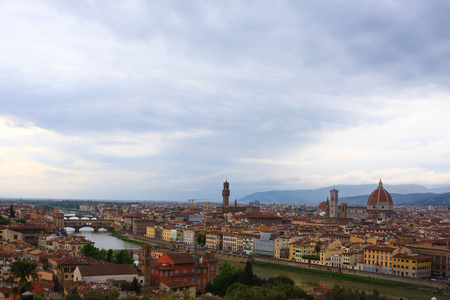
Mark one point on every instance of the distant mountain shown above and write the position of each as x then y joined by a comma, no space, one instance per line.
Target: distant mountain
435,200
351,192
398,199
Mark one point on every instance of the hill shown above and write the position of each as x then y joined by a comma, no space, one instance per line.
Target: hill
355,194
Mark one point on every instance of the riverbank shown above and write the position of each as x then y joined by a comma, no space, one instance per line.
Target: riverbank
126,239
350,277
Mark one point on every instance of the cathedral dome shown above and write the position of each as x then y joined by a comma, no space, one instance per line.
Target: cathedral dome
380,197
323,205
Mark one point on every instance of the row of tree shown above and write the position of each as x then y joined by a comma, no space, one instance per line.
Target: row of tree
121,257
233,283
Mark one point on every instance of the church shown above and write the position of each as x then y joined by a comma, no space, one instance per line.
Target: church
379,206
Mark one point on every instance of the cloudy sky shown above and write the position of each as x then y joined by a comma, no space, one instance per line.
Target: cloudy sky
164,100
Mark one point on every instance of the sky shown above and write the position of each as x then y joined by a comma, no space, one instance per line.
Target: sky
165,100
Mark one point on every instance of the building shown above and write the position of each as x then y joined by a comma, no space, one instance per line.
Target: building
226,194
412,265
181,267
214,240
140,226
105,272
146,263
379,259
265,244
380,205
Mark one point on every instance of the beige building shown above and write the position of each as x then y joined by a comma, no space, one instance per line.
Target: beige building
214,240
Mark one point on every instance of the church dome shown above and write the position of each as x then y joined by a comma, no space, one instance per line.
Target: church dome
323,205
380,197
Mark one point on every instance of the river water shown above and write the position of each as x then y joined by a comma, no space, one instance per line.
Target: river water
310,281
103,239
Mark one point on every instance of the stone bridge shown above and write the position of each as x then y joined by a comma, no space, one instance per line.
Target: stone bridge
96,224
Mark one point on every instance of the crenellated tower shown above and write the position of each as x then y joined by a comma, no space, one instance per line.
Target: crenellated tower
226,193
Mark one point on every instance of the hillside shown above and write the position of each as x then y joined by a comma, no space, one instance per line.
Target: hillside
351,194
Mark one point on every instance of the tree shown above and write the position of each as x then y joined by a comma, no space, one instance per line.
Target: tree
226,277
123,257
21,270
247,276
135,286
317,248
12,213
4,221
201,239
109,255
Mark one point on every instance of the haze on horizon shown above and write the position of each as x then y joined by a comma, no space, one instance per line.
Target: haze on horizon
150,100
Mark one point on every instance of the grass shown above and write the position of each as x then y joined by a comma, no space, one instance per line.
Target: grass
124,238
341,275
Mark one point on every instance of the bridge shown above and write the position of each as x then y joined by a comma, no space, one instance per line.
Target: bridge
96,224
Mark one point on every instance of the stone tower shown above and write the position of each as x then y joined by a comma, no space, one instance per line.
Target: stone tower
146,263
334,212
226,193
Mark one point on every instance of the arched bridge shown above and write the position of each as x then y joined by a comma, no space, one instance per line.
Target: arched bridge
96,224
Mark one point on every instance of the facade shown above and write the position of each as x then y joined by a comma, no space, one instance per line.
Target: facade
440,257
230,242
410,265
248,243
300,248
379,259
140,226
181,267
214,240
265,244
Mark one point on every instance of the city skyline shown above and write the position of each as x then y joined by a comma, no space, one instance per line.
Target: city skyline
144,100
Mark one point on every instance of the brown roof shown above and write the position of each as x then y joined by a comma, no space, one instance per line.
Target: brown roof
107,269
177,284
181,258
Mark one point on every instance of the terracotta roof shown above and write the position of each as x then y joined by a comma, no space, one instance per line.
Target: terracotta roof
181,258
107,269
380,195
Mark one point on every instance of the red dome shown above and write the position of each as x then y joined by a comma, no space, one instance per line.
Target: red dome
323,205
380,196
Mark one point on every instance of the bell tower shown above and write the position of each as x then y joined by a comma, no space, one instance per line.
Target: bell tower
226,193
146,263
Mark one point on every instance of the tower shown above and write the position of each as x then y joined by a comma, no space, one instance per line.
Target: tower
146,263
226,193
334,203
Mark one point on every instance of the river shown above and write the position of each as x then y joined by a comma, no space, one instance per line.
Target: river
310,281
103,239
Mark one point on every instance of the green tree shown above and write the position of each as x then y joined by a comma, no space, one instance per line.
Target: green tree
21,270
4,221
317,248
226,277
247,277
201,239
123,257
135,286
109,255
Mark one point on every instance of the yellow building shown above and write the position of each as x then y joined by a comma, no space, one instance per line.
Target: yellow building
154,232
300,248
410,265
379,258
